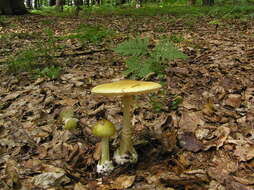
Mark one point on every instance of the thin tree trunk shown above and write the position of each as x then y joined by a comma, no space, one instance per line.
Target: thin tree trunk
28,4
52,2
78,8
12,7
191,2
208,2
59,5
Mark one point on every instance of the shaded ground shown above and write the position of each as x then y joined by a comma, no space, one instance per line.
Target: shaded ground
206,143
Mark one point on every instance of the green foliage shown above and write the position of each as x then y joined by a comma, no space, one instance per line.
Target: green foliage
51,72
176,102
157,104
215,22
35,59
3,20
24,61
90,34
178,9
144,61
133,47
176,38
69,11
166,51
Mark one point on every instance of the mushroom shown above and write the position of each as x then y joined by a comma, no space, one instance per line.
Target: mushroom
67,117
126,89
104,129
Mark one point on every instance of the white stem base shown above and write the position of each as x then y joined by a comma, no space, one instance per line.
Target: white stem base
106,167
125,158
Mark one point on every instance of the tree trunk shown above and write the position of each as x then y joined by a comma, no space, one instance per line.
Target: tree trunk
191,2
35,4
11,7
59,5
121,2
28,4
208,2
52,2
78,4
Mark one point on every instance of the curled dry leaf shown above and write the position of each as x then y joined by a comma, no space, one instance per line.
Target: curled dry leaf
222,165
190,121
214,185
50,179
233,100
189,142
80,186
244,152
220,136
123,182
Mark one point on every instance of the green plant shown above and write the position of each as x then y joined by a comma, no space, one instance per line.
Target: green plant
24,61
177,100
144,60
90,34
215,22
176,38
52,72
3,20
35,59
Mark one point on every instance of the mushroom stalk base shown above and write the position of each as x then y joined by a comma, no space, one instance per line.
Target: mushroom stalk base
105,168
105,165
126,152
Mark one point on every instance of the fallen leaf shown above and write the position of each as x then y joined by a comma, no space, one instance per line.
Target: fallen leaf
189,142
123,182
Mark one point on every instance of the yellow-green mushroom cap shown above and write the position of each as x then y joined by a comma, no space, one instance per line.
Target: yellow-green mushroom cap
70,123
104,128
67,113
126,87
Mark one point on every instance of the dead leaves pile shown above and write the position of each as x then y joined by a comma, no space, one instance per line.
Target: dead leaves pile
207,143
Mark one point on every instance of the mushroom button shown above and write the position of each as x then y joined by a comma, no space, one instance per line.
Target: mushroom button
67,117
126,89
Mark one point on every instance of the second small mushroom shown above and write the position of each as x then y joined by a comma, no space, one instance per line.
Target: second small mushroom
126,89
67,117
104,129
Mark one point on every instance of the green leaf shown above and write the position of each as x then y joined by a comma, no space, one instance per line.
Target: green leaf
134,47
166,51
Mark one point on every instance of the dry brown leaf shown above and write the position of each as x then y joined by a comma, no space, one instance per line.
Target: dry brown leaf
244,152
233,100
123,182
80,186
189,142
190,121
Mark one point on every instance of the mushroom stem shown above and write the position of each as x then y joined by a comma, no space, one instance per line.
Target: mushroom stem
104,150
126,141
126,152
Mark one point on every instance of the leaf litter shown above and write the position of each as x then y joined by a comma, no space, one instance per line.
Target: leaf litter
206,143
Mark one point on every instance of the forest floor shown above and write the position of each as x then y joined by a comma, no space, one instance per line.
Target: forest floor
205,142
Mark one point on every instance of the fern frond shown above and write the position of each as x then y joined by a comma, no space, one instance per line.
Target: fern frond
166,51
134,47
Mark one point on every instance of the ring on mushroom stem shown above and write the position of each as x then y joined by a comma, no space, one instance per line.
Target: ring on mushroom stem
104,129
127,89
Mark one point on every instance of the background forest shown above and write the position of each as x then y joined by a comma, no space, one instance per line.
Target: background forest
195,133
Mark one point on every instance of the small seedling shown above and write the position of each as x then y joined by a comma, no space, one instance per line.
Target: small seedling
176,102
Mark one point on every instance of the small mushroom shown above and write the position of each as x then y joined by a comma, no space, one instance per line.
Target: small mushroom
104,129
67,117
126,89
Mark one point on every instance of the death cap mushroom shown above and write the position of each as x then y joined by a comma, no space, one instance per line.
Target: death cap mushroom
126,87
